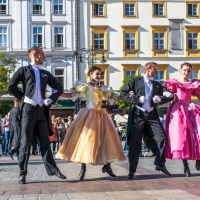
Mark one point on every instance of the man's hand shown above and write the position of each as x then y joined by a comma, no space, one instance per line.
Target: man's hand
47,102
156,99
168,94
142,99
131,94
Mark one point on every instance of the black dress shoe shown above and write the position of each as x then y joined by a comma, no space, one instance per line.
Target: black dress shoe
82,172
163,169
187,172
22,179
106,168
197,165
59,175
131,175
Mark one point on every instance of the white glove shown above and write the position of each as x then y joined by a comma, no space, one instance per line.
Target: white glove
191,106
47,102
156,99
131,94
168,94
142,99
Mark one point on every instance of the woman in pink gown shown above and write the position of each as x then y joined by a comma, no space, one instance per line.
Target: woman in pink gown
183,119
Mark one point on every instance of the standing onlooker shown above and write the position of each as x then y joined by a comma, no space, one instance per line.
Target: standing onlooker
61,131
53,137
113,118
119,129
163,120
15,128
7,124
1,132
69,122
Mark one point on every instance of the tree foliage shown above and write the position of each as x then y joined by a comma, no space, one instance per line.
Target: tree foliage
7,66
125,104
5,107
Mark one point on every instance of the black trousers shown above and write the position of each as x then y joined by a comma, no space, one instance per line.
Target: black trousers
34,121
153,128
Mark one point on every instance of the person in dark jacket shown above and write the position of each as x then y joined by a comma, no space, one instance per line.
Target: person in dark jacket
35,110
144,93
15,128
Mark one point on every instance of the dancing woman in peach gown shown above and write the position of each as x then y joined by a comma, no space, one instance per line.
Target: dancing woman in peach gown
92,137
183,120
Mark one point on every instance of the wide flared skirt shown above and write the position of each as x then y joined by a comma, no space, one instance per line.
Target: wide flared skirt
91,139
183,132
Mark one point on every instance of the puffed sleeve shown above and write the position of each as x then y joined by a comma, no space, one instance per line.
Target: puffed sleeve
196,87
80,89
171,85
109,94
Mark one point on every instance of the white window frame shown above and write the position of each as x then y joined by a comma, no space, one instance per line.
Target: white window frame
6,4
130,40
192,15
155,14
38,26
97,14
99,39
193,39
58,7
129,4
159,39
7,37
42,10
59,26
158,74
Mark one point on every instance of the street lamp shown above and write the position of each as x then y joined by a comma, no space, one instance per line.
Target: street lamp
90,56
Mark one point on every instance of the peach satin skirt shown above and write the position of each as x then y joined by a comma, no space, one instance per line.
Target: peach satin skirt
91,139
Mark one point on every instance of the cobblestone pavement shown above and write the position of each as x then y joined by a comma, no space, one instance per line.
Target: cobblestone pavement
148,184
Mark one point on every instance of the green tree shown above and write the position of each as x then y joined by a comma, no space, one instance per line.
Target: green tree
5,107
124,104
7,66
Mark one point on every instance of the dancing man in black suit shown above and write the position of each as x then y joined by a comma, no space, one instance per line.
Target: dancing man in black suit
35,110
144,94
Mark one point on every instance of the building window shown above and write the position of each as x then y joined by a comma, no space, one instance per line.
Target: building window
192,9
59,74
3,6
130,9
37,7
192,41
58,36
58,6
99,40
37,37
130,41
98,9
193,74
159,41
159,9
130,70
104,74
160,77
162,73
3,36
